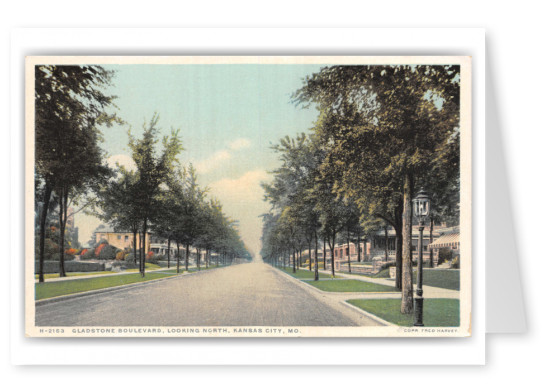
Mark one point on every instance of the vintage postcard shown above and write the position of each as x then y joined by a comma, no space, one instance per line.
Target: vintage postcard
248,196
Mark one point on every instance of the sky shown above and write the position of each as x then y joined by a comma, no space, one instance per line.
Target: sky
228,116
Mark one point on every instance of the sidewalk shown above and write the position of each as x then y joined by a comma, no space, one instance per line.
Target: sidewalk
429,292
160,270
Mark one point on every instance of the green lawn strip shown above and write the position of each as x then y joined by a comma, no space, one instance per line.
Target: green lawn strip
348,285
436,312
59,288
183,269
385,273
148,266
74,274
304,274
447,279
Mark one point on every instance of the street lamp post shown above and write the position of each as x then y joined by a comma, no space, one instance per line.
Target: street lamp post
421,208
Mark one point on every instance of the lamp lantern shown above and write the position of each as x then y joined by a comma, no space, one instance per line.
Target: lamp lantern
421,209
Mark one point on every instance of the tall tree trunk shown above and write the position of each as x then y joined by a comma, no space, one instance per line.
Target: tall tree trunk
399,245
177,257
62,219
187,257
289,259
198,256
168,255
348,250
324,254
386,243
407,273
316,267
332,248
294,262
358,248
431,254
310,255
135,232
144,246
43,217
218,260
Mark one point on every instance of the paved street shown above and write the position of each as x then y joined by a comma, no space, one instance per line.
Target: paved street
253,294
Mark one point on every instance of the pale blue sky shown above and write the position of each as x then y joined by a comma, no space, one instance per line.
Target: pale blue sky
227,115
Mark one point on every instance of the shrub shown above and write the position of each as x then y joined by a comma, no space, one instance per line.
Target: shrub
106,251
455,263
120,256
98,249
155,259
87,254
444,255
388,265
71,251
149,255
124,264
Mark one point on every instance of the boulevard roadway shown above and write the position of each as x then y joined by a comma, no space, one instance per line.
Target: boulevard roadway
250,294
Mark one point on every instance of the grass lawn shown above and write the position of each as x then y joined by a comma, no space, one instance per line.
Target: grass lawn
385,273
73,274
148,266
436,312
441,278
304,274
382,274
182,269
59,288
346,285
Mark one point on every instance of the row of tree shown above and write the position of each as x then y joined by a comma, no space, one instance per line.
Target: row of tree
71,106
383,133
164,198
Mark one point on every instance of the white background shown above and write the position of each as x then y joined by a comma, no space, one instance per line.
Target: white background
518,52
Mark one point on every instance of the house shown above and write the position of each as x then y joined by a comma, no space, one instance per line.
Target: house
121,239
159,246
449,238
379,241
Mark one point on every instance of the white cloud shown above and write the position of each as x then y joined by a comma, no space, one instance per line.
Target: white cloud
212,162
243,189
240,143
124,160
218,158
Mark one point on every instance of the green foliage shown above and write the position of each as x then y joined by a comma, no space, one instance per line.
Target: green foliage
108,252
70,104
455,263
445,254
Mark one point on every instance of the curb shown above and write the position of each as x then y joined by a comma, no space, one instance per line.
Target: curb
357,309
303,281
100,291
369,314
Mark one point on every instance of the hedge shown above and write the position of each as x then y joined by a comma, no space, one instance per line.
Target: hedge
70,266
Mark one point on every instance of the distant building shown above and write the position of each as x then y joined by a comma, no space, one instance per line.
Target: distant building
375,248
448,238
121,239
159,246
